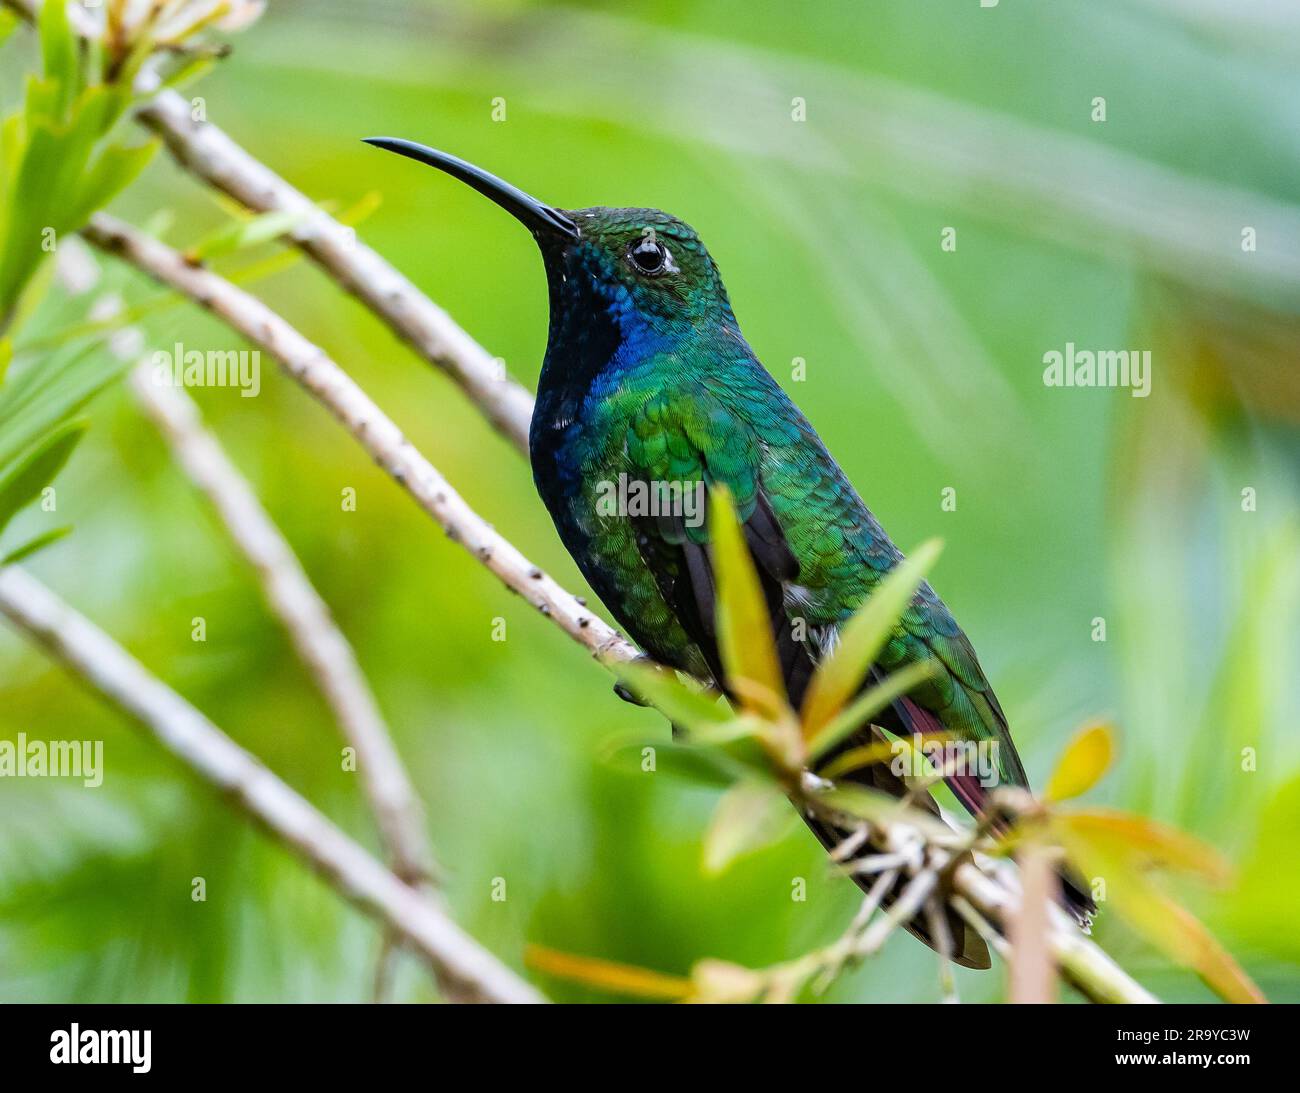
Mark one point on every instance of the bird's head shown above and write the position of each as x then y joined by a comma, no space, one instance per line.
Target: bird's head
642,267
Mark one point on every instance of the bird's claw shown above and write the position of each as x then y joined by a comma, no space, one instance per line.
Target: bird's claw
627,695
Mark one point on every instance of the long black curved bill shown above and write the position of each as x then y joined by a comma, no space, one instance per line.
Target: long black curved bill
534,215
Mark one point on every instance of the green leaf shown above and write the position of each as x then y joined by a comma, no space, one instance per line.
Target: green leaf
22,483
744,628
862,803
1086,758
867,705
48,391
40,542
1265,895
248,233
699,766
867,755
750,815
59,51
861,638
112,171
9,22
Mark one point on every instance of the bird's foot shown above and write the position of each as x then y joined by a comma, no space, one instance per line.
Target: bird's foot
627,695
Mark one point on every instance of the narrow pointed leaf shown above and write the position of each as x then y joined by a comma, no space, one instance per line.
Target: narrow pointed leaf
244,234
744,628
58,51
637,756
862,638
22,483
1146,843
861,803
750,814
867,755
867,705
32,546
1164,923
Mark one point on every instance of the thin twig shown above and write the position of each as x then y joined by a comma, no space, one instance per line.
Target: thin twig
909,901
104,666
1032,978
937,922
838,955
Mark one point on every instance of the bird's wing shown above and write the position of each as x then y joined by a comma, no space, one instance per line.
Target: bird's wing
959,700
691,441
690,438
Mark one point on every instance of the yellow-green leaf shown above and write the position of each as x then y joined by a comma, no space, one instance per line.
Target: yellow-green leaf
861,803
867,755
744,628
243,234
634,754
867,705
1086,758
861,638
750,814
1145,843
23,481
35,544
1101,850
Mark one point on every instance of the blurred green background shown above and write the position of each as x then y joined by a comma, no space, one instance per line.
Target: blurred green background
924,371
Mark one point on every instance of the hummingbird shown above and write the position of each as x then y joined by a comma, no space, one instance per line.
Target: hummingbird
647,379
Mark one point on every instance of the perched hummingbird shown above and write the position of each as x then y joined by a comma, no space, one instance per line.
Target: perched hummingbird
648,379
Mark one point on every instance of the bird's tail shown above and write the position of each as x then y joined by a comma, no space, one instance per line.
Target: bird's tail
1076,897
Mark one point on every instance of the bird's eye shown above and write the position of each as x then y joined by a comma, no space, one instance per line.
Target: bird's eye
650,257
